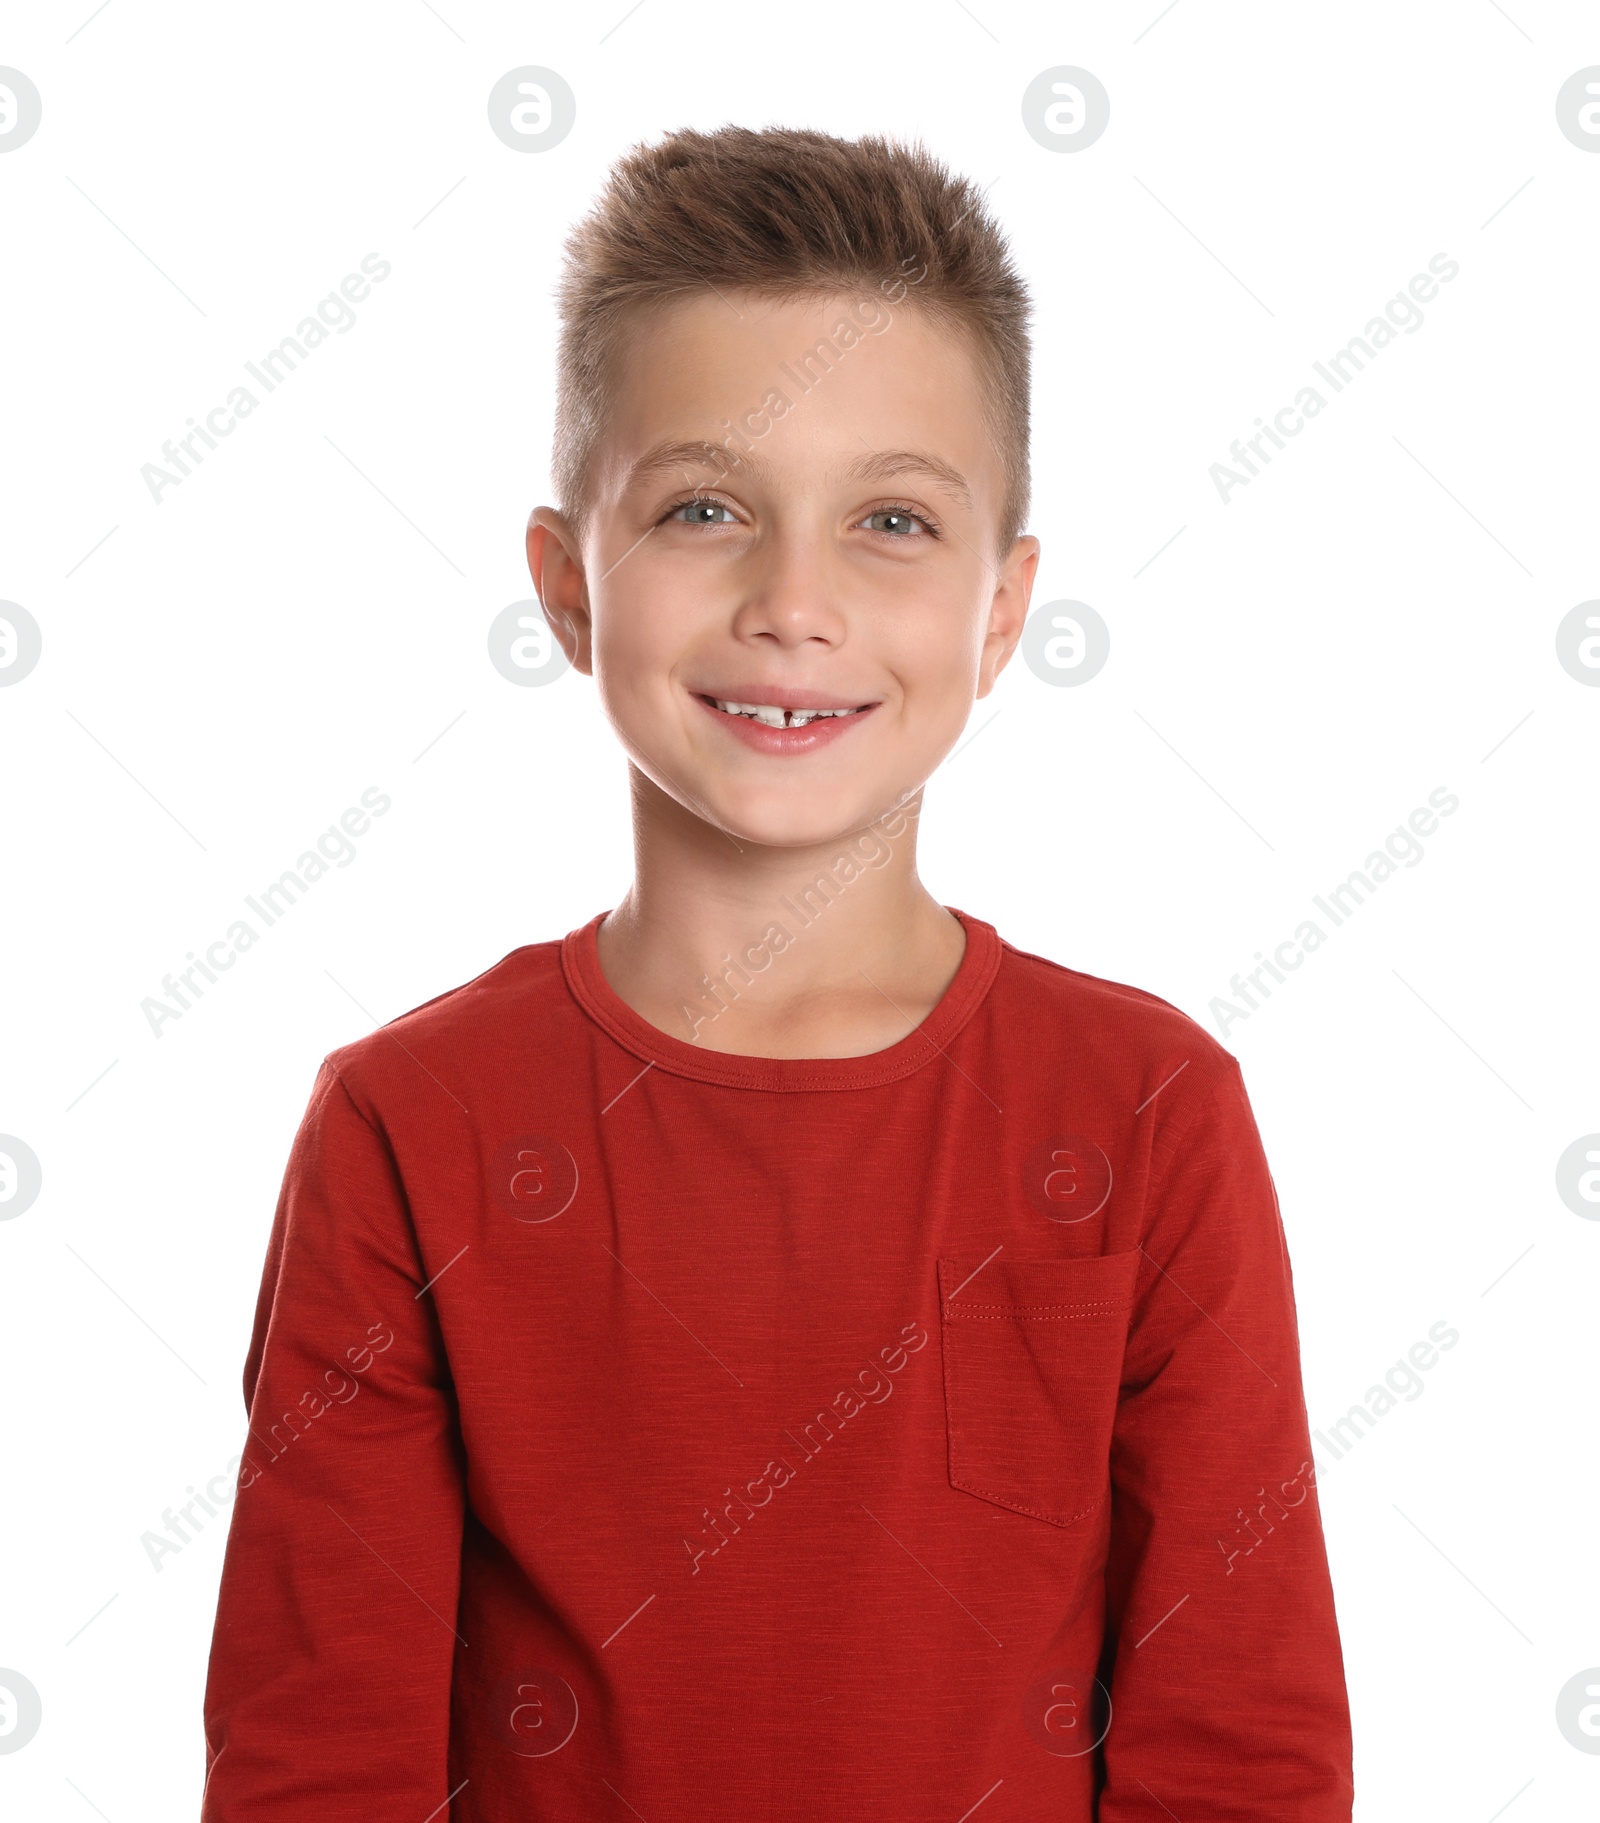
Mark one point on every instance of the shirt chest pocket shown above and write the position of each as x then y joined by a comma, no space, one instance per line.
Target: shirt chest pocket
1032,1360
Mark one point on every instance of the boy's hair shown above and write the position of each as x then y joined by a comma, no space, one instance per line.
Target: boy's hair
788,213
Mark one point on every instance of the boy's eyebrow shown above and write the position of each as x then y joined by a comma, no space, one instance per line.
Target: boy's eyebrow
885,464
877,465
664,458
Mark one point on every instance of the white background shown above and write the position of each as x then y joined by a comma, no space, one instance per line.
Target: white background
1295,672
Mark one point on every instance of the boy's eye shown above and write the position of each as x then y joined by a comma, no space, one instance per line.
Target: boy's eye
897,523
702,512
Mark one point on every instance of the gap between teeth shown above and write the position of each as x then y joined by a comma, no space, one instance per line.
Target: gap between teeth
770,716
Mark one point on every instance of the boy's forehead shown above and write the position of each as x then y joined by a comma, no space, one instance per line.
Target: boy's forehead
794,380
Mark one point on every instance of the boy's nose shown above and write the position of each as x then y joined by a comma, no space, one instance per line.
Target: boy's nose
790,596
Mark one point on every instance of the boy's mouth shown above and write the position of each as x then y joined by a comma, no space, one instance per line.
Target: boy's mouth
780,715
802,722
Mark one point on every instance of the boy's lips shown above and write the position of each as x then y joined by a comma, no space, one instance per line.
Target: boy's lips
784,720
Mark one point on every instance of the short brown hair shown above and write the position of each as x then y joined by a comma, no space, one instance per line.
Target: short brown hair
788,212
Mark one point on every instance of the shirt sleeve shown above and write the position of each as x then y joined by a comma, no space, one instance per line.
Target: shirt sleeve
328,1693
1226,1677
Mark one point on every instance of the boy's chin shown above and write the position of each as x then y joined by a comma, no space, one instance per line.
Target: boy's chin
814,820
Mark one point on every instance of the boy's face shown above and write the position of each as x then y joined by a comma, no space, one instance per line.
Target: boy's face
838,553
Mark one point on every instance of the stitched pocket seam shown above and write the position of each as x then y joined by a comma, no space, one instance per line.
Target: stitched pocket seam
956,1435
1022,1316
1014,1505
1038,1313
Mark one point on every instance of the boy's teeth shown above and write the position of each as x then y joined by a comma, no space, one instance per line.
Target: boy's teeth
771,716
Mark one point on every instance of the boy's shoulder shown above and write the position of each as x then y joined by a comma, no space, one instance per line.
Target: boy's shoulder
459,1034
1045,1001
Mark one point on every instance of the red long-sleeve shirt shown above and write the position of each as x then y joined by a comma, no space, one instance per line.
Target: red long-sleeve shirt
638,1430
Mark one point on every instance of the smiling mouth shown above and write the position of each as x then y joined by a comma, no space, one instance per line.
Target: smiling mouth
774,715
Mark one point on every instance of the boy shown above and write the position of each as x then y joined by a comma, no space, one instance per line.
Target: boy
814,1360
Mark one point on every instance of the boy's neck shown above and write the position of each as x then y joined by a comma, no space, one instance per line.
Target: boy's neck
836,950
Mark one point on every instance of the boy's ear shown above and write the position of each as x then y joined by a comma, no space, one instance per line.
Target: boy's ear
555,563
1008,610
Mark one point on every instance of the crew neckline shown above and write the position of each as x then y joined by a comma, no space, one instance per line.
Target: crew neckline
580,962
